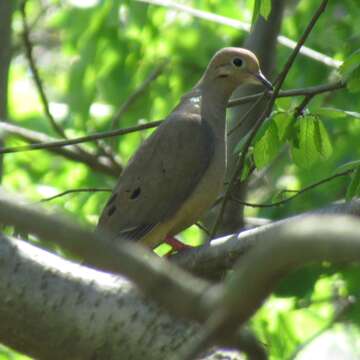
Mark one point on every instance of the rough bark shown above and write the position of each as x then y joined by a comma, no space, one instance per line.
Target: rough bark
87,314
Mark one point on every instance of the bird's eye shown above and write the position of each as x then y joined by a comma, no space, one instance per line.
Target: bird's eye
238,62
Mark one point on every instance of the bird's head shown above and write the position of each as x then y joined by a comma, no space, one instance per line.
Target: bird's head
236,66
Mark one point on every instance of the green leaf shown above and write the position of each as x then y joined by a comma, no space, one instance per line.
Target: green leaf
304,150
267,146
349,165
261,7
300,282
334,113
322,140
353,83
265,8
350,64
256,12
350,70
311,142
284,123
354,186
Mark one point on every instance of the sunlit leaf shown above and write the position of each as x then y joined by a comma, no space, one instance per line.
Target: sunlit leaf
354,186
349,165
322,140
267,145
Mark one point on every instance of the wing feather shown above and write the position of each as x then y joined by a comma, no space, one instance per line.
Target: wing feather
160,177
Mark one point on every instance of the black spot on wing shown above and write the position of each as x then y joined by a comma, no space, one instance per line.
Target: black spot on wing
112,199
135,193
111,210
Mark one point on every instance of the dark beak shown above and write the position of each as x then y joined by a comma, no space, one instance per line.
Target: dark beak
261,77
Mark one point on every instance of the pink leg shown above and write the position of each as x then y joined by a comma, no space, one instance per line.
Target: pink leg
176,245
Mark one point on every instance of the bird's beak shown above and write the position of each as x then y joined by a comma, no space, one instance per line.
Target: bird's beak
261,78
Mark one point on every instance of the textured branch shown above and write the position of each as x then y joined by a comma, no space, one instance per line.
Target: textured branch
101,314
140,265
212,260
285,247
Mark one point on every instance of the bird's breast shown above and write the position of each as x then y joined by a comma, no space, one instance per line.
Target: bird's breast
206,191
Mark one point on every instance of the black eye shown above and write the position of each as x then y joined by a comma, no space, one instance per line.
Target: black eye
238,62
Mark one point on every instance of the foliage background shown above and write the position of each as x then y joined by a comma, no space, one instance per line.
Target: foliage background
92,55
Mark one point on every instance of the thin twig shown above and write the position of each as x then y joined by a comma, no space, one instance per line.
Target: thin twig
283,40
35,72
82,139
72,191
95,162
40,86
137,93
248,112
278,83
312,90
298,192
103,135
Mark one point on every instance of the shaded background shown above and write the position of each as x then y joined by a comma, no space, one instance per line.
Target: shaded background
101,58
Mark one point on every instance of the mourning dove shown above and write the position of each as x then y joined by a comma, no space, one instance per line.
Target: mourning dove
178,172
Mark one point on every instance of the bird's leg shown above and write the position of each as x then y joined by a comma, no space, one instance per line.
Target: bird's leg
176,245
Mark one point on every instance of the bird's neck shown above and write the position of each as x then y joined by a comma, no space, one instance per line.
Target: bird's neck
213,107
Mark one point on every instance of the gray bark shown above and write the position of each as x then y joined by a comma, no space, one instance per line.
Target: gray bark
87,314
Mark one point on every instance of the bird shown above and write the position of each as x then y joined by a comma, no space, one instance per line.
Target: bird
178,171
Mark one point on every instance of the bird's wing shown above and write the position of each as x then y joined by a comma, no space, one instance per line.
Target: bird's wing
160,177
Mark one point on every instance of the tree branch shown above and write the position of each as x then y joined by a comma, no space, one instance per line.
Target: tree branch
60,290
140,265
137,93
311,90
40,87
73,191
52,144
212,260
283,40
37,79
42,141
298,192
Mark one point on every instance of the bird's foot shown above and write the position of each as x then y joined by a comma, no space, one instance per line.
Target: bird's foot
176,245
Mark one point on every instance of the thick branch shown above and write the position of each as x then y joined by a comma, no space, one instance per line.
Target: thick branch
147,270
96,313
213,259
